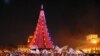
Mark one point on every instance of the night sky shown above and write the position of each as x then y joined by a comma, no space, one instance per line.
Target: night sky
68,21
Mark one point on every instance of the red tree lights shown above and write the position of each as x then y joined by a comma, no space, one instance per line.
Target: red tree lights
41,37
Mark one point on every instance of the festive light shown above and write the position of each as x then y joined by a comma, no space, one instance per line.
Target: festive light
93,38
93,44
94,41
41,36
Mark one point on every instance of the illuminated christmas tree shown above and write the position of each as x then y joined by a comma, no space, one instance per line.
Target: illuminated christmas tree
41,37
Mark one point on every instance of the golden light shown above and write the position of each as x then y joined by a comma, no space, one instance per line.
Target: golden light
92,36
23,48
94,41
92,44
29,39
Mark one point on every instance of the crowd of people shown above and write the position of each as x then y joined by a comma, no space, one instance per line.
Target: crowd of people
40,54
51,52
64,51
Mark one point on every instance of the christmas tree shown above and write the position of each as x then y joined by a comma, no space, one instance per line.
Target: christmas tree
41,37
